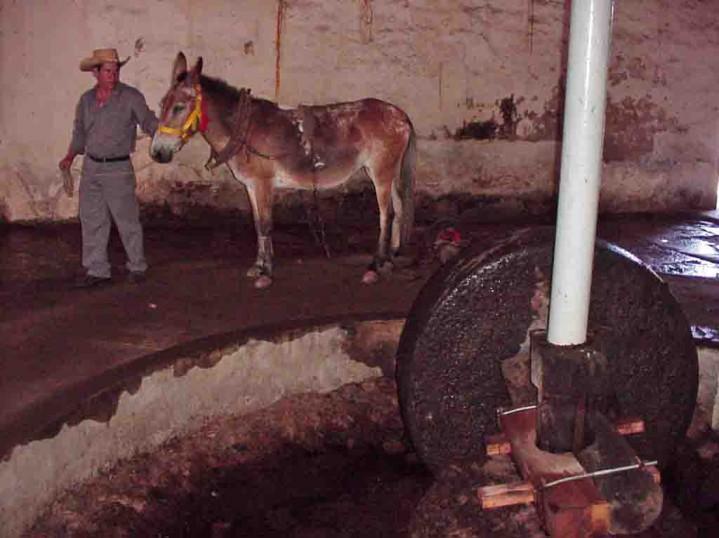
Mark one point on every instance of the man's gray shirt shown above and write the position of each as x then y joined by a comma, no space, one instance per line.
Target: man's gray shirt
110,130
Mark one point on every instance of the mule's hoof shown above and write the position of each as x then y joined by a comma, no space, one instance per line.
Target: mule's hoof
262,282
370,277
386,268
254,271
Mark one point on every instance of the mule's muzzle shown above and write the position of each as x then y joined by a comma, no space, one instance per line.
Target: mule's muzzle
162,155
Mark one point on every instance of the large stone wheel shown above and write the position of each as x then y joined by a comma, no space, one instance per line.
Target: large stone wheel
473,315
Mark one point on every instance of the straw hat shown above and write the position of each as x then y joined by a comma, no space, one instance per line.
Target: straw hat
101,56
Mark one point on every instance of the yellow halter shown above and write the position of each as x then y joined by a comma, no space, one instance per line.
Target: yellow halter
192,123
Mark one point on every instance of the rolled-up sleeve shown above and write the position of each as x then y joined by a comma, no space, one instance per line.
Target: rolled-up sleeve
77,144
145,117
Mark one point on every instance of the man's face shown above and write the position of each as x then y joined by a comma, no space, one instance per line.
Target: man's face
107,75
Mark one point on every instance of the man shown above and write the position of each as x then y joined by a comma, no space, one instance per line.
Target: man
105,131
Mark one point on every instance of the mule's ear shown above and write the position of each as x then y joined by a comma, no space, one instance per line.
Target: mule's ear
197,70
179,68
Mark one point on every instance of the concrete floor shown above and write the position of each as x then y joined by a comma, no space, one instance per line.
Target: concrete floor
58,340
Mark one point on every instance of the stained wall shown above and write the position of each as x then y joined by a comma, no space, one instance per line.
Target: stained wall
481,79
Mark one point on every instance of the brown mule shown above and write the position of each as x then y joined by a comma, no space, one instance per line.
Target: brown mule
310,147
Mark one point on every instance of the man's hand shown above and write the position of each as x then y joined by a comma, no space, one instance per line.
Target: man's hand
66,162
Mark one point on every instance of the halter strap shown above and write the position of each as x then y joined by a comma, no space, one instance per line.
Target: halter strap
196,121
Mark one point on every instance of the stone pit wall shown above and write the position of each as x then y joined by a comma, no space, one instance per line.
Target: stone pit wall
482,81
95,424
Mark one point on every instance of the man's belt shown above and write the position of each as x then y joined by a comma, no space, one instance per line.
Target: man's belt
109,159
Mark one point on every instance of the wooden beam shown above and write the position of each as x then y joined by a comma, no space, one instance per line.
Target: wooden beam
506,495
498,445
629,426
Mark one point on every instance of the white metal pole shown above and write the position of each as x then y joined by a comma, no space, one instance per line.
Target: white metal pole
580,178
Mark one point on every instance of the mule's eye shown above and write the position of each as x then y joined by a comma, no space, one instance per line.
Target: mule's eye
177,109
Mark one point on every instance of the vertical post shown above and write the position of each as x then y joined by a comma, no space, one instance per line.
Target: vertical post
580,178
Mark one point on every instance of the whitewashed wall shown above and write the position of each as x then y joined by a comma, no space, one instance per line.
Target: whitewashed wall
446,62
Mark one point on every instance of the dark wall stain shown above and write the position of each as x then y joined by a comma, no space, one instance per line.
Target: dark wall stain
630,128
622,69
477,130
691,199
631,125
617,77
491,129
139,46
464,208
510,118
547,125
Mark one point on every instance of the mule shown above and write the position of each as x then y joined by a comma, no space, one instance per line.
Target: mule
310,147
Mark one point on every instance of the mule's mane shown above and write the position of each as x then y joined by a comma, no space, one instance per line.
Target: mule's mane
223,95
219,89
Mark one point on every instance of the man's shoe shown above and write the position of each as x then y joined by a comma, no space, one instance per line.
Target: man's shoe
136,277
89,281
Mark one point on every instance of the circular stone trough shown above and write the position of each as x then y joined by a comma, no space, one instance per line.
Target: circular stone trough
285,431
254,432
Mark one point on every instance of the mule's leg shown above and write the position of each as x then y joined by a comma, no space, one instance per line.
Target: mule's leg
397,222
260,195
382,177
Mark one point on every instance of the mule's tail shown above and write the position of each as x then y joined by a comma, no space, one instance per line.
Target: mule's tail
405,188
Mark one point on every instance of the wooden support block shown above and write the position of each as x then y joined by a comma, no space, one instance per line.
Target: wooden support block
629,426
497,445
656,474
505,495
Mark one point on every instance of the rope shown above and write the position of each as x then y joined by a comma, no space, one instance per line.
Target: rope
315,220
239,137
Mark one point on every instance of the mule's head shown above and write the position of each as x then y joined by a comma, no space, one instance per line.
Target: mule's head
181,111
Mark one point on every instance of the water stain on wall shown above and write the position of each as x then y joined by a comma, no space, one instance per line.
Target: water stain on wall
623,69
547,125
510,117
477,130
139,46
281,8
506,129
631,125
365,21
